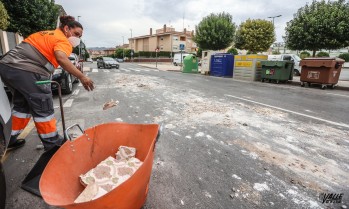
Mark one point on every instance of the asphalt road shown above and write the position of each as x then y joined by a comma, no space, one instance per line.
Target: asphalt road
226,143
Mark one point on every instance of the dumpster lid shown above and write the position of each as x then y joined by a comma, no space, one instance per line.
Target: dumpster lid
325,58
320,58
275,63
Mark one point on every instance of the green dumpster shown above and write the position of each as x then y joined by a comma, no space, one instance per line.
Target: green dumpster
190,64
277,71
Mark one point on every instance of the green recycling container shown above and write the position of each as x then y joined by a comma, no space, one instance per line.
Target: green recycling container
277,70
190,64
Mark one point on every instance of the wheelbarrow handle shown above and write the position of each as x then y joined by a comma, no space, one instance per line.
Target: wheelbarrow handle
67,136
60,99
42,82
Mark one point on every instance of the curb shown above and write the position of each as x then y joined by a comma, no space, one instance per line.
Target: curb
148,67
298,83
159,69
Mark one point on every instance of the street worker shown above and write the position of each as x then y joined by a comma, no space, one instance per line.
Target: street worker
35,60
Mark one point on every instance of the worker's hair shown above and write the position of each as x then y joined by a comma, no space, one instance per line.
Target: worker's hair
69,21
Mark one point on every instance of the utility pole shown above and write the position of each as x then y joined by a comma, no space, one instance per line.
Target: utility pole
273,17
131,43
80,43
123,49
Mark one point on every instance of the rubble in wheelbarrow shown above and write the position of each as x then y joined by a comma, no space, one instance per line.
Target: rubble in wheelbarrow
109,174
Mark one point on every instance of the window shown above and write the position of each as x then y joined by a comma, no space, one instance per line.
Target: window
175,47
287,57
161,47
175,38
161,38
182,38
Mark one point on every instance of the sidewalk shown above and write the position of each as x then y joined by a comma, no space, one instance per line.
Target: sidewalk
344,85
162,66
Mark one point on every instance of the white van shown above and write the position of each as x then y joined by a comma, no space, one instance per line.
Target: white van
177,58
288,57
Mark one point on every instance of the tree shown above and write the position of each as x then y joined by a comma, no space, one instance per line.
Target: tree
304,54
344,56
323,54
321,25
255,35
4,18
276,52
119,52
199,52
215,31
30,16
232,51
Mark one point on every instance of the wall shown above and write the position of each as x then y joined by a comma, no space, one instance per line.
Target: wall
8,41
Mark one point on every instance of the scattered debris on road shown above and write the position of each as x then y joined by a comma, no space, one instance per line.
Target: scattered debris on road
110,104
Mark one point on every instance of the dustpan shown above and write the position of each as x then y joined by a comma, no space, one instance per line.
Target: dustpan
60,184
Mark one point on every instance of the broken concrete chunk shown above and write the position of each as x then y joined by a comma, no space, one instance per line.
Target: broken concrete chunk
110,104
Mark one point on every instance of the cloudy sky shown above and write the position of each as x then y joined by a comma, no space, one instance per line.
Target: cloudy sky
106,22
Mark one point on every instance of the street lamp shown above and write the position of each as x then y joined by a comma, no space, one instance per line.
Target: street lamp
131,36
273,17
131,45
80,43
123,49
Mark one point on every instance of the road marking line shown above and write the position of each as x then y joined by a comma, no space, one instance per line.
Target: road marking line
76,92
80,84
147,70
95,70
106,71
68,103
290,111
341,95
117,71
125,70
27,130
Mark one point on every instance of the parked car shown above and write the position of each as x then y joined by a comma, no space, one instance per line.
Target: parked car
288,57
89,60
5,132
177,60
107,62
64,78
119,60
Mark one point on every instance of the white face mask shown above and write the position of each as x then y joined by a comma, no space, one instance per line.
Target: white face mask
74,41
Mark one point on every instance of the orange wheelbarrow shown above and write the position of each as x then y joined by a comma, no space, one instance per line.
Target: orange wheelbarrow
60,184
55,176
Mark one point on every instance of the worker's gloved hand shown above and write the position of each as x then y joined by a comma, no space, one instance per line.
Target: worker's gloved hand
87,83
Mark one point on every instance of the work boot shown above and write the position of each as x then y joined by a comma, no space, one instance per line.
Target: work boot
15,145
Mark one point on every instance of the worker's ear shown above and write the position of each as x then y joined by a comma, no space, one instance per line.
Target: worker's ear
65,29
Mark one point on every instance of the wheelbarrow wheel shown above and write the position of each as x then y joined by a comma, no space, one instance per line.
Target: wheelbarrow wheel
262,80
68,84
323,87
302,84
